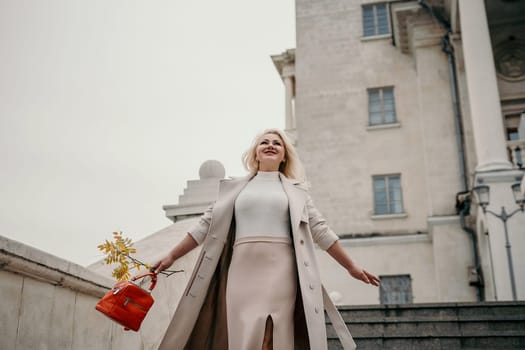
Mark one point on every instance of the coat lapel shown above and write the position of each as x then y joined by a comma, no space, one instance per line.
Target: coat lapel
297,198
230,189
223,208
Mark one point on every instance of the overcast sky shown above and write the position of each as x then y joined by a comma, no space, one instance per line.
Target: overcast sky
108,107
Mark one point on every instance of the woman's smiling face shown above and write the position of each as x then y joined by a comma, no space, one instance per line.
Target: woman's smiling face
270,152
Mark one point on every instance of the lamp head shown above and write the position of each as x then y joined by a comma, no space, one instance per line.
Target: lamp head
482,193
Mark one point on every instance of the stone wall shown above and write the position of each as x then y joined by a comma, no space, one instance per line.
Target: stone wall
49,303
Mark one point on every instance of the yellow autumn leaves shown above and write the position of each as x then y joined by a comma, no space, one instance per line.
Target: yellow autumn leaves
119,252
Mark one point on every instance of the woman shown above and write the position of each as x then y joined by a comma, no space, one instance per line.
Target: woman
256,284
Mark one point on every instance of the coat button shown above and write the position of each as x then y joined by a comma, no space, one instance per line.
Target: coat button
316,309
306,263
302,241
311,286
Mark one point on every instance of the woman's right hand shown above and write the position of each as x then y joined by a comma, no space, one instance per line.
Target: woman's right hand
163,264
182,248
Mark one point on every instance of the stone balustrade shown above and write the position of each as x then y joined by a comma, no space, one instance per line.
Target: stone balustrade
516,150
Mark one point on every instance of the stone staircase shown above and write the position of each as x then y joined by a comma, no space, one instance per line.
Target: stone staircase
468,326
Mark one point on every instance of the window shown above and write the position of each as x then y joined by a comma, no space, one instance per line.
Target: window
513,134
387,195
396,289
381,106
512,124
375,20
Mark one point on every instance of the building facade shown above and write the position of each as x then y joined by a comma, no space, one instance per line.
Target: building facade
398,110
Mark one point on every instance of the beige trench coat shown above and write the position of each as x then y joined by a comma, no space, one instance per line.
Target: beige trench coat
199,321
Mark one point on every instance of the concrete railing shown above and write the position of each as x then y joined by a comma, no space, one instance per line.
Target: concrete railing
48,303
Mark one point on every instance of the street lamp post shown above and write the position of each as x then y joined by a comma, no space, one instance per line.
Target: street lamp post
483,194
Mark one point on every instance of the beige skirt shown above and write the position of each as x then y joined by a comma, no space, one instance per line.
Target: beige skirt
262,282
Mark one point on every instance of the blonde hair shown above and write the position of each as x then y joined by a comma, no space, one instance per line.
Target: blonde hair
291,166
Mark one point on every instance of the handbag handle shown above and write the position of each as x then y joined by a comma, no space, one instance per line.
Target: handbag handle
153,276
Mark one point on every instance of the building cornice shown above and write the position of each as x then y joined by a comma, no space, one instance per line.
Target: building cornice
413,27
285,63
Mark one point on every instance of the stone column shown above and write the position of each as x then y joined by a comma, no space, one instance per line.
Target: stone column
288,84
285,64
489,135
521,128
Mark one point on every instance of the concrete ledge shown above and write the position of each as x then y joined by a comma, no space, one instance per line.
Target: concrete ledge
175,212
383,126
434,221
433,305
498,176
376,37
386,239
389,216
27,261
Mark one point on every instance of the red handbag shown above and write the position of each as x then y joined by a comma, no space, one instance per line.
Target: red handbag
127,303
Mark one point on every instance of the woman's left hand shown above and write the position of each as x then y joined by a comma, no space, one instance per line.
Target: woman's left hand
363,275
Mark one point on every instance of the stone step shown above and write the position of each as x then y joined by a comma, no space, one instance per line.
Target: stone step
429,343
418,329
465,326
442,310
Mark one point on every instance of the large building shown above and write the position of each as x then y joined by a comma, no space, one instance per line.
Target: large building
399,109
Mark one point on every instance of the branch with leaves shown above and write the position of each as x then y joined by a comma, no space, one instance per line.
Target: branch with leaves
119,252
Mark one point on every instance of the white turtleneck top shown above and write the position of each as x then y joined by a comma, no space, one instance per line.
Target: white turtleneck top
261,208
